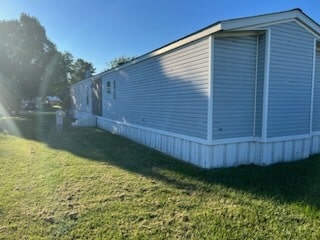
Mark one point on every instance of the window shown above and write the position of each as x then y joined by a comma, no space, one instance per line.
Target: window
114,89
108,87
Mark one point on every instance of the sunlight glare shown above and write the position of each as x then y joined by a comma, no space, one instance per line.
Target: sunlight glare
7,125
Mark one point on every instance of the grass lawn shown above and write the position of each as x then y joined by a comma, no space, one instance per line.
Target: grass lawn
85,183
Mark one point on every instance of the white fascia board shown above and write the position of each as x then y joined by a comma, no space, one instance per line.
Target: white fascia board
240,33
92,79
271,19
247,23
309,23
258,20
81,82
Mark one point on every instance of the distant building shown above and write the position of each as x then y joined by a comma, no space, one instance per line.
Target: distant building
31,104
53,100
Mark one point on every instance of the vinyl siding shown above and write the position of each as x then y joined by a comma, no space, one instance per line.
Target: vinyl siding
316,98
290,81
260,84
81,96
168,92
234,70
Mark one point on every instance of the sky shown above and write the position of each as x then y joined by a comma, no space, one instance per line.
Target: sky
100,30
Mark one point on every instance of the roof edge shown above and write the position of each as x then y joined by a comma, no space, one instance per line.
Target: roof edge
204,32
226,25
264,19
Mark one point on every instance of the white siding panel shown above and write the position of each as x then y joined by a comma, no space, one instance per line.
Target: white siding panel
277,152
266,154
254,153
234,71
288,148
84,119
243,152
218,156
81,97
81,104
315,144
231,158
168,92
291,64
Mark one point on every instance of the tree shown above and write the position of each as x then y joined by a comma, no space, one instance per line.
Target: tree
25,53
118,62
30,64
8,93
65,71
58,75
79,70
8,58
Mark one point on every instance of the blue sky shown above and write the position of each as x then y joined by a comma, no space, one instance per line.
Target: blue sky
101,30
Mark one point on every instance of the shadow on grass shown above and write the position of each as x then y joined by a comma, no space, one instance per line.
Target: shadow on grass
286,182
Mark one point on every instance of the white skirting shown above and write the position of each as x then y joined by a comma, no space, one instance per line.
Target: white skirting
215,155
315,144
84,119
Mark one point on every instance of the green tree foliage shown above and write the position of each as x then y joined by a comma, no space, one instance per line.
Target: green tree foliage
30,64
118,62
25,53
58,73
64,71
79,70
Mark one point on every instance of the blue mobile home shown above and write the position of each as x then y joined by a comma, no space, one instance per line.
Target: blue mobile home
239,91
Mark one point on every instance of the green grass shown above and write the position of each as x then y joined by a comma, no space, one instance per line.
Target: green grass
88,184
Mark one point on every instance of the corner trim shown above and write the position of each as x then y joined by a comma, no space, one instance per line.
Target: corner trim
266,85
210,90
313,83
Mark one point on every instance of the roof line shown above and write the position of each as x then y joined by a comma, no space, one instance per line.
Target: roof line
213,28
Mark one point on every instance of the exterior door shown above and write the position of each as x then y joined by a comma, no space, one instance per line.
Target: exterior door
97,97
